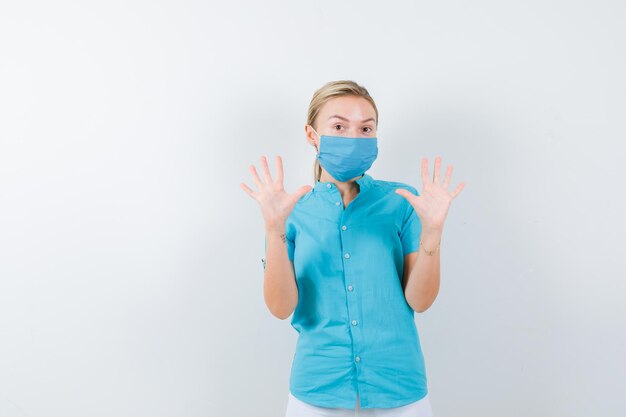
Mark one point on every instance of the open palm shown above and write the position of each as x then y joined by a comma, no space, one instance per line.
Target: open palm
433,203
276,204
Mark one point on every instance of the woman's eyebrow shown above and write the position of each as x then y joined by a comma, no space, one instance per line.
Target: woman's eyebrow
343,118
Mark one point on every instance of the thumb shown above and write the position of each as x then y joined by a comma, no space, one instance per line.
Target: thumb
402,192
302,191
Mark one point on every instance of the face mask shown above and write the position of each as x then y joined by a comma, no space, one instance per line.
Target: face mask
346,158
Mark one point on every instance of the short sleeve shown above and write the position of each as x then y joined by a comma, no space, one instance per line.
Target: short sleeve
290,247
411,226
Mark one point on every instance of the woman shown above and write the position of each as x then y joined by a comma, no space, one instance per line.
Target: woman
352,258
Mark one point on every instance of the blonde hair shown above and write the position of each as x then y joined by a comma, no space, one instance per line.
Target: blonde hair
329,91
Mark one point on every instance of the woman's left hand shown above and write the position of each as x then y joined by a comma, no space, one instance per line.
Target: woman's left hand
433,203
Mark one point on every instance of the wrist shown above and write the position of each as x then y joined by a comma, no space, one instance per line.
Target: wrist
430,239
276,229
431,233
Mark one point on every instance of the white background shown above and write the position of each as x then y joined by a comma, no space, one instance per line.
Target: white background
130,273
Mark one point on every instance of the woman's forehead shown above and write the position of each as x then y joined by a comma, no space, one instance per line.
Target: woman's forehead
347,108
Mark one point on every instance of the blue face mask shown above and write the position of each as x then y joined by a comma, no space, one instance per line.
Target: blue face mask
346,158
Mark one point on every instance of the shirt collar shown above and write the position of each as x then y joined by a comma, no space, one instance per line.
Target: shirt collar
364,182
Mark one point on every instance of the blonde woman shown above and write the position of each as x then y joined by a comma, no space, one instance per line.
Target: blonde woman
352,257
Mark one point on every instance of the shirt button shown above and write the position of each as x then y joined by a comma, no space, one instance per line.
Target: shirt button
347,255
343,227
357,359
337,203
328,185
349,287
354,322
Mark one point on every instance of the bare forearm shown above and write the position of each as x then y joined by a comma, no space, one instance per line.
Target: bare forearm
423,282
279,284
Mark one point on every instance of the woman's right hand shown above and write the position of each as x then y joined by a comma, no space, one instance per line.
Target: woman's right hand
276,204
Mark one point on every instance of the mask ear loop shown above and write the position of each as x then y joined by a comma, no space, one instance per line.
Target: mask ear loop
316,149
318,135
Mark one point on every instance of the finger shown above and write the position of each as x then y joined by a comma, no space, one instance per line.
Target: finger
436,170
457,190
279,169
248,190
301,191
446,180
425,178
266,170
255,177
405,193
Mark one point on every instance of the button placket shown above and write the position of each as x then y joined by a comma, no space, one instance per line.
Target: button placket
352,307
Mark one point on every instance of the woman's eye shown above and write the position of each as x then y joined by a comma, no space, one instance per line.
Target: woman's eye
370,129
337,126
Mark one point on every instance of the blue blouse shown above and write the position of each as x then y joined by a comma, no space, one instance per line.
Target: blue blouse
356,331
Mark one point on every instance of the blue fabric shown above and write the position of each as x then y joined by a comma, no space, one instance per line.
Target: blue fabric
345,158
356,331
